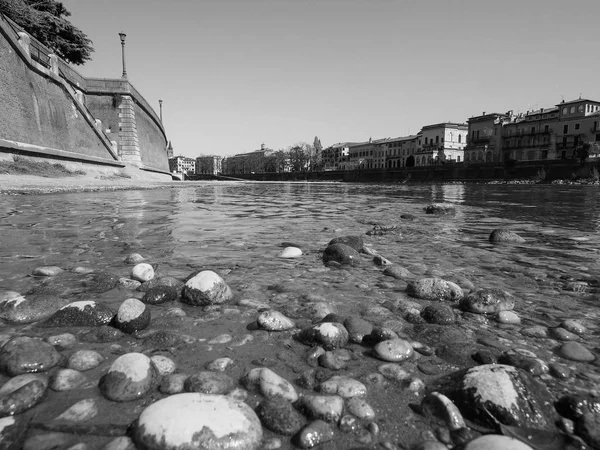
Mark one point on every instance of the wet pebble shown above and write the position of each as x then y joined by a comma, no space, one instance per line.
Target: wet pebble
561,334
503,235
198,421
393,350
206,288
142,272
47,271
343,386
574,326
17,309
274,321
398,272
120,443
21,393
535,331
25,354
163,364
160,294
128,283
134,258
65,340
357,328
290,252
360,408
488,301
83,360
80,314
508,317
534,366
575,352
435,289
324,407
341,254
272,385
496,442
173,383
393,372
559,371
329,335
438,314
439,406
280,416
67,379
207,382
162,281
81,411
132,316
131,376
315,433
354,241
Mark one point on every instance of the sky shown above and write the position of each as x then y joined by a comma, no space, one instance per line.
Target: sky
234,74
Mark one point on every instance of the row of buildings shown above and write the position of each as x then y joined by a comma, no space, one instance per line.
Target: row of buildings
562,131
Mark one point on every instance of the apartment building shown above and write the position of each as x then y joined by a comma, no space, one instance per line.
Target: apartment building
182,164
441,142
363,154
484,137
399,150
334,156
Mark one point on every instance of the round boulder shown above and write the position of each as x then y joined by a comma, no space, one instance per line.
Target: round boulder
329,335
341,254
435,289
488,301
131,376
206,288
356,242
503,236
198,421
23,354
133,315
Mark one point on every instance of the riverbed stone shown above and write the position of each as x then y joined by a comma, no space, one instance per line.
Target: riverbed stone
504,235
160,294
341,254
274,321
142,272
21,393
47,271
24,354
509,395
438,314
360,408
325,407
80,314
134,258
440,209
81,411
508,318
488,301
398,272
393,350
357,328
131,376
280,416
536,331
163,364
133,315
313,434
574,326
534,366
12,431
343,386
206,288
207,382
83,360
198,421
290,252
67,379
99,282
356,242
575,352
164,280
272,385
435,289
562,334
329,335
16,309
173,383
393,372
496,442
441,407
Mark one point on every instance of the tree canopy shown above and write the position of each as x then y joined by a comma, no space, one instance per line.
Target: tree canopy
46,21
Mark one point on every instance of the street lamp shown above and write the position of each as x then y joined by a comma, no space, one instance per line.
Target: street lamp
122,36
160,109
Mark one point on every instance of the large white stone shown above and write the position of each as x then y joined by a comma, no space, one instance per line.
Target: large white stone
142,272
290,252
198,421
206,288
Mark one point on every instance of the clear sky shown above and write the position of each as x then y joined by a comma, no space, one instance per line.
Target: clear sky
233,74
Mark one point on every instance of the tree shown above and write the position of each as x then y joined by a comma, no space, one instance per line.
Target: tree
299,157
318,158
46,21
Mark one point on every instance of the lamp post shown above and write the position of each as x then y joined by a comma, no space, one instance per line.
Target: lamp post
122,36
160,109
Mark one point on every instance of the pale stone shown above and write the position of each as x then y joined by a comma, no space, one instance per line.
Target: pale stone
496,442
272,385
142,272
83,360
343,386
274,321
290,252
81,411
164,365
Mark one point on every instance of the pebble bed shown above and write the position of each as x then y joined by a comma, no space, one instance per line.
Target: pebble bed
345,341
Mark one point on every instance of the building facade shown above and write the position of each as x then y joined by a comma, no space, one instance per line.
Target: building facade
442,142
399,150
484,137
257,161
182,164
334,157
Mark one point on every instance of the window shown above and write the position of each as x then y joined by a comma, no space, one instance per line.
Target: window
473,135
426,141
580,108
598,137
437,139
544,154
546,128
577,126
458,159
532,130
459,139
565,110
572,110
566,129
564,141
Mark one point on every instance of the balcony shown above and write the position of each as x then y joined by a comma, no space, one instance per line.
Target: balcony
520,133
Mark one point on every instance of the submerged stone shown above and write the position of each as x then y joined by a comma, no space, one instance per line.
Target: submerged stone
341,254
80,314
356,242
160,294
488,301
25,354
503,235
131,376
17,309
435,289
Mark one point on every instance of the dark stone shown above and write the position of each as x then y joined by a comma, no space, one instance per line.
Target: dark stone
341,254
573,406
587,427
486,357
162,281
531,365
24,354
440,209
163,339
102,334
80,314
280,416
356,242
358,328
207,382
160,294
100,282
21,399
438,314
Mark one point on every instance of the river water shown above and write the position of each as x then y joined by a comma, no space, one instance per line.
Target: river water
238,229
